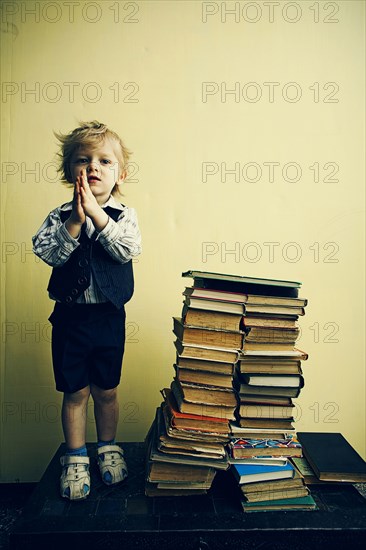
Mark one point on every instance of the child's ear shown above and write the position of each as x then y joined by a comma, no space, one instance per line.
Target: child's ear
123,174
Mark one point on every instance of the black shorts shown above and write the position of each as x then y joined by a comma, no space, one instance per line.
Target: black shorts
88,342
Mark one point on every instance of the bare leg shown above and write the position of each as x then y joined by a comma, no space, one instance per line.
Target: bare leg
74,417
106,411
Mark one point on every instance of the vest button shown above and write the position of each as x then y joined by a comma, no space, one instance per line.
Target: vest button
68,299
83,262
82,281
74,291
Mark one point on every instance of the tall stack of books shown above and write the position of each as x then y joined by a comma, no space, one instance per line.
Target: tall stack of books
268,376
187,442
239,330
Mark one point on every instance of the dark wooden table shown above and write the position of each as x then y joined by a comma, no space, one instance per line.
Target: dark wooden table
123,517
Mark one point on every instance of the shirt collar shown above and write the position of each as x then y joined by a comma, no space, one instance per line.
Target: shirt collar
110,202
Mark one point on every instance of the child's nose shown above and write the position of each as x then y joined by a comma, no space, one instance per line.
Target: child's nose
93,165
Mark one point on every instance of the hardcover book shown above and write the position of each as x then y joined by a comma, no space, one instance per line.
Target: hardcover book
304,468
332,458
262,411
264,424
205,395
242,298
214,305
254,433
250,321
249,473
218,320
273,485
303,503
265,400
259,334
245,389
205,336
186,421
241,308
203,409
206,353
296,354
277,380
270,367
162,471
249,447
192,376
206,365
242,284
293,492
268,346
264,460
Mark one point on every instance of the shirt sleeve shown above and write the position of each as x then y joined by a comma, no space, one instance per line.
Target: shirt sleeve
52,242
122,239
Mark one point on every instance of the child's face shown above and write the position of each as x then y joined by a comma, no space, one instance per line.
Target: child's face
101,166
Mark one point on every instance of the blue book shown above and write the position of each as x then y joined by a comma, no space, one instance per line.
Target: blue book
249,473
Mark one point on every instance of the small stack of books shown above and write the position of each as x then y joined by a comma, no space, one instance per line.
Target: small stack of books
184,451
267,479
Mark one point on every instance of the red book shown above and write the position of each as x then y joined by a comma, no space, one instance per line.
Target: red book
187,421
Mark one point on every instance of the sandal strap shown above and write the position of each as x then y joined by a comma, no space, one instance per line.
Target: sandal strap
74,459
110,449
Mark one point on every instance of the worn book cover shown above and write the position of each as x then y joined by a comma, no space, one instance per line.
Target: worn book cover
206,336
249,447
157,456
243,284
302,503
332,458
243,298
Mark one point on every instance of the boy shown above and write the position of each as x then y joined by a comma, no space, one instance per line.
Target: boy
90,243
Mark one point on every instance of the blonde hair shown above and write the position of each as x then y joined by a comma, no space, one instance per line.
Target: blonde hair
91,134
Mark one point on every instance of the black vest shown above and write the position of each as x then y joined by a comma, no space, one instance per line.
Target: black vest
114,279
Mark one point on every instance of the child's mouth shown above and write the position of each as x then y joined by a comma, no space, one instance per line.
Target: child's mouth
93,180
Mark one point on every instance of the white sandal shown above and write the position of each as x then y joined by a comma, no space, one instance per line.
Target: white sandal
112,465
75,477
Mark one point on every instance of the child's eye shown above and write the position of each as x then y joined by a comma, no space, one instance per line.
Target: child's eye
106,161
81,160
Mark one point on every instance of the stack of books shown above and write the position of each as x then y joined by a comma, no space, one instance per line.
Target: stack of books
183,455
191,430
267,377
272,486
230,403
267,478
270,374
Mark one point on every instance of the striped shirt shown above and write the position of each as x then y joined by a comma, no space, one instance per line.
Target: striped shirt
121,239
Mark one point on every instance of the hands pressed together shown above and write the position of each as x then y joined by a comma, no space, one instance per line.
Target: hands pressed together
84,204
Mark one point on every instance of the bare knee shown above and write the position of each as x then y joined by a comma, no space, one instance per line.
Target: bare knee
103,397
77,398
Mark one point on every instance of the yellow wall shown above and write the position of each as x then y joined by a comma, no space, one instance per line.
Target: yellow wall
157,73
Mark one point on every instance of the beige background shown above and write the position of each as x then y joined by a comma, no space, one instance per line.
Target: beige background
144,69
